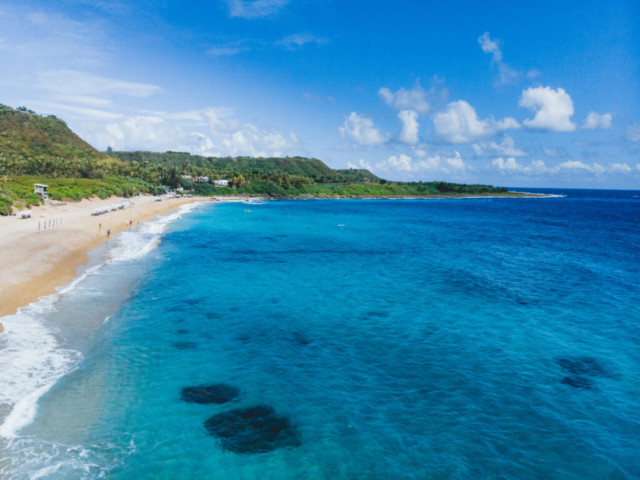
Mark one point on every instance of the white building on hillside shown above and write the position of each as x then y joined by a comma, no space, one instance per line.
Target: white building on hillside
221,183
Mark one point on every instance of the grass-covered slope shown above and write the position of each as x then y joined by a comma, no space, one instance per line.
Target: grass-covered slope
28,135
359,175
17,191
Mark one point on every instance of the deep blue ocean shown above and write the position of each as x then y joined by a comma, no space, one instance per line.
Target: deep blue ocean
433,339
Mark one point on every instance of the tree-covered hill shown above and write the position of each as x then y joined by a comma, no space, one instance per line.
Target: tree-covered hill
27,134
230,166
41,149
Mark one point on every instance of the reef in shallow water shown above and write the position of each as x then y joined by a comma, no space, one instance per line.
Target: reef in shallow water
583,366
579,382
214,393
185,345
253,430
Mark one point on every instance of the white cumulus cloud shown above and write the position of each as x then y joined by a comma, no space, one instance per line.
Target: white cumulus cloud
362,164
570,168
620,168
413,99
511,165
401,163
362,130
507,148
580,167
226,135
595,120
410,127
152,133
459,123
553,109
443,163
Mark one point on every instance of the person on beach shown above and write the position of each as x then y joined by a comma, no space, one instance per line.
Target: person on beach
99,226
108,233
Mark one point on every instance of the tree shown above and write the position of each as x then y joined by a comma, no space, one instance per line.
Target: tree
173,180
237,181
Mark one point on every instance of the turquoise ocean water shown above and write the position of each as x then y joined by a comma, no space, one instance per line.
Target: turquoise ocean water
440,339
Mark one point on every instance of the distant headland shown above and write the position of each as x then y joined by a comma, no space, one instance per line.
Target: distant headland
43,149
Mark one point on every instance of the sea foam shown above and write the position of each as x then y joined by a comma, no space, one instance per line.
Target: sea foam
33,357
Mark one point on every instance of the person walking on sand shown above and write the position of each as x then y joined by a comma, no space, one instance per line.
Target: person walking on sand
99,226
108,233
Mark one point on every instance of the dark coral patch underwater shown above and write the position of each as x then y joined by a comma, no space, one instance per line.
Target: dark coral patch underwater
583,366
377,313
579,382
253,430
185,345
218,393
300,338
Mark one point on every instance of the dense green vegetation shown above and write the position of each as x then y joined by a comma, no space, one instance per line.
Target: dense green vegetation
17,191
350,189
38,149
228,167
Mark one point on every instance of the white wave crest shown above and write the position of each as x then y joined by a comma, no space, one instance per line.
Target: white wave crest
31,362
32,358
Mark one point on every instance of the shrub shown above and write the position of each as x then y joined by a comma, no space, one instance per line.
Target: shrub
5,206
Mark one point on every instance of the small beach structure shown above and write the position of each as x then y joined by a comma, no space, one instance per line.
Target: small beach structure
221,183
41,189
110,208
25,214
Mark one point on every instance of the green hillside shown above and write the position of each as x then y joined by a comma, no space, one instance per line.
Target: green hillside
35,148
228,166
24,133
359,175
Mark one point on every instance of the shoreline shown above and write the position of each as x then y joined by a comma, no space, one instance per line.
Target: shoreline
36,263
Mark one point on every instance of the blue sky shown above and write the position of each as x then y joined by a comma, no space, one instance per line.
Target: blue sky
510,93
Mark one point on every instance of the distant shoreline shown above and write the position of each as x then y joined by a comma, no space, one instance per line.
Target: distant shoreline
308,196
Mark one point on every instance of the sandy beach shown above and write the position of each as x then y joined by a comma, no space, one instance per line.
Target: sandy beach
35,262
